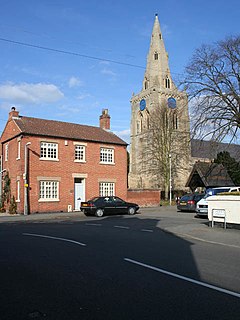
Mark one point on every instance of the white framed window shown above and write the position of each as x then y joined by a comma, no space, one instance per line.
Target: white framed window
6,152
48,190
49,151
19,150
106,155
80,153
18,191
106,189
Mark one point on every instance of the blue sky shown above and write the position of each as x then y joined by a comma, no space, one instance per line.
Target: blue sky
74,88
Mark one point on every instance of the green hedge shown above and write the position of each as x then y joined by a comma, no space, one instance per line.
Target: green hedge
236,193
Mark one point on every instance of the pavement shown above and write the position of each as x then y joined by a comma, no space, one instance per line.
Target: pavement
182,224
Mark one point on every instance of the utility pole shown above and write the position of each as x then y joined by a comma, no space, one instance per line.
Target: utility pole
170,179
25,177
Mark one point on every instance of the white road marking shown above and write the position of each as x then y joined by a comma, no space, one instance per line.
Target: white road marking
146,230
208,241
121,227
55,238
203,284
93,224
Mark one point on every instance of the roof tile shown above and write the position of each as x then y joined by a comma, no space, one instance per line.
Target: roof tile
66,130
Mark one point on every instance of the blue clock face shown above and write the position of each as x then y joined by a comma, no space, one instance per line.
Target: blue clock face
142,104
172,103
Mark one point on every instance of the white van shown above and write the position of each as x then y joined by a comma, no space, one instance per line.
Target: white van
202,205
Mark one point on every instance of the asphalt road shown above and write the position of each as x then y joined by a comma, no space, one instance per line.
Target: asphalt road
123,267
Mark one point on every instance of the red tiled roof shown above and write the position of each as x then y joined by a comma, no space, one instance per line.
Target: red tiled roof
66,130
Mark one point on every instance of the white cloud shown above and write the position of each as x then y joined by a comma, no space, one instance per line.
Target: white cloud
105,62
108,72
166,30
70,109
83,96
124,134
30,93
75,82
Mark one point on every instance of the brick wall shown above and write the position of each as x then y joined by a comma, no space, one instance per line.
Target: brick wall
144,198
64,170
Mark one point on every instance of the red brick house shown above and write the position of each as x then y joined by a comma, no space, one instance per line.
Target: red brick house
54,165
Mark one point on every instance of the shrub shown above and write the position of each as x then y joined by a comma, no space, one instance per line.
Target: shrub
13,206
236,193
2,206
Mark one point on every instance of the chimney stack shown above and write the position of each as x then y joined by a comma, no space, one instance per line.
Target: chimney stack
13,113
104,120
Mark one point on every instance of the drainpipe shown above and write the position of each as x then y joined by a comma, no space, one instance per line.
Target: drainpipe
25,177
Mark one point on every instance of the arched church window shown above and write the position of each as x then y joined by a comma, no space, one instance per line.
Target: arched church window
167,83
165,120
147,122
146,85
175,121
138,127
156,56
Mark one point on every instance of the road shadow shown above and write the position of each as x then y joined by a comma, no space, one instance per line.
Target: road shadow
128,269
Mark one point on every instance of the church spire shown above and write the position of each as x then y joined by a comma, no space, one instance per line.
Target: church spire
157,72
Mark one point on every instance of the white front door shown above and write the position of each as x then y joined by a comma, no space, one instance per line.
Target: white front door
79,192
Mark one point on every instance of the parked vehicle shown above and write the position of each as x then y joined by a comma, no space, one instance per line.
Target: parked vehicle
100,206
188,201
202,205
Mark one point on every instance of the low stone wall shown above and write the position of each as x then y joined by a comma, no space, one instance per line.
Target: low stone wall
144,197
228,204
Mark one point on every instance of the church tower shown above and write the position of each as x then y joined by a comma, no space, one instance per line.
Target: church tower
160,131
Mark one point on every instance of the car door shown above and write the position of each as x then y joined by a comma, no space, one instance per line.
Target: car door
120,205
109,205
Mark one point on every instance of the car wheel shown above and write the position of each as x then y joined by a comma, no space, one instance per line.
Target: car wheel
131,210
99,213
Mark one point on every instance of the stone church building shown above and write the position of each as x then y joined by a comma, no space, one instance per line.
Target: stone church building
159,95
161,149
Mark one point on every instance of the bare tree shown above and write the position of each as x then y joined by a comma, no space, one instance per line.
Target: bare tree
212,81
168,144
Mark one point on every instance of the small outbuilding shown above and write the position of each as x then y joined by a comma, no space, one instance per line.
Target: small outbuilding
208,175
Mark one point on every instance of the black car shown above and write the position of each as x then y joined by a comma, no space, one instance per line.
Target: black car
189,201
100,206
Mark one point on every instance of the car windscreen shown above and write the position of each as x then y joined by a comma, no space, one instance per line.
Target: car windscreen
216,191
186,198
213,192
94,199
199,197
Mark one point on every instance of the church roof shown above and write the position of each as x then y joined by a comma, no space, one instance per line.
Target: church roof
210,149
205,174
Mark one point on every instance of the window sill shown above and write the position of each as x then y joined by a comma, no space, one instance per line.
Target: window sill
80,161
48,159
109,163
48,200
